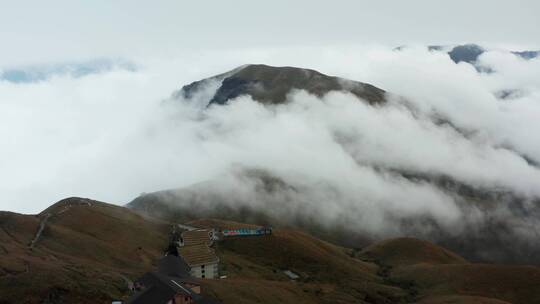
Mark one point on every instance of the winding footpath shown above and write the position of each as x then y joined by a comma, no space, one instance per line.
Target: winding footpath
40,230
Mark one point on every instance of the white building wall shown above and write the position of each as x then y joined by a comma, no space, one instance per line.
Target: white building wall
206,271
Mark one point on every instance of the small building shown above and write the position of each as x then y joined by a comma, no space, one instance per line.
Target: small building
170,284
157,288
202,261
195,249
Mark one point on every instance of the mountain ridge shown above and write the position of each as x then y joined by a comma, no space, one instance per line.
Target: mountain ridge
270,85
403,270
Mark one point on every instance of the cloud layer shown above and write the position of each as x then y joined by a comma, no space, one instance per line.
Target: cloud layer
113,135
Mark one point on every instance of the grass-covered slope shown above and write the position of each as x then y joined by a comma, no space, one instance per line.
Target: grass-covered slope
328,274
88,250
436,275
460,300
513,284
85,253
409,251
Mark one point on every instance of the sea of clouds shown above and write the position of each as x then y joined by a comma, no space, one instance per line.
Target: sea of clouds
113,134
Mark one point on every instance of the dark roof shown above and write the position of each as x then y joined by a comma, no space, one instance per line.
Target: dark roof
153,294
161,288
198,254
197,237
173,266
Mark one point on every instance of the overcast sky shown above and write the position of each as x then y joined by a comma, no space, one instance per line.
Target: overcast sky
59,30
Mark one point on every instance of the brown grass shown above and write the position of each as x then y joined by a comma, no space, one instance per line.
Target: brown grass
514,284
460,300
81,256
86,251
409,251
328,273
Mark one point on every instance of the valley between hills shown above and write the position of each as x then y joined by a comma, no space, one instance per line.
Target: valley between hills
88,251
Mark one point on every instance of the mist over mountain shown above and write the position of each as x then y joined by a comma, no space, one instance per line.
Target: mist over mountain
334,162
270,152
441,157
469,53
43,72
474,54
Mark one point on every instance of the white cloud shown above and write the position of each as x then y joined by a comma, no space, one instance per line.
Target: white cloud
111,136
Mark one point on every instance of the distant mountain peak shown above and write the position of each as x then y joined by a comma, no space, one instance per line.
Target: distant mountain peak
470,52
466,53
270,85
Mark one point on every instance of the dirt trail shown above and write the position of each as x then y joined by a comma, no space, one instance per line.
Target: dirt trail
40,230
